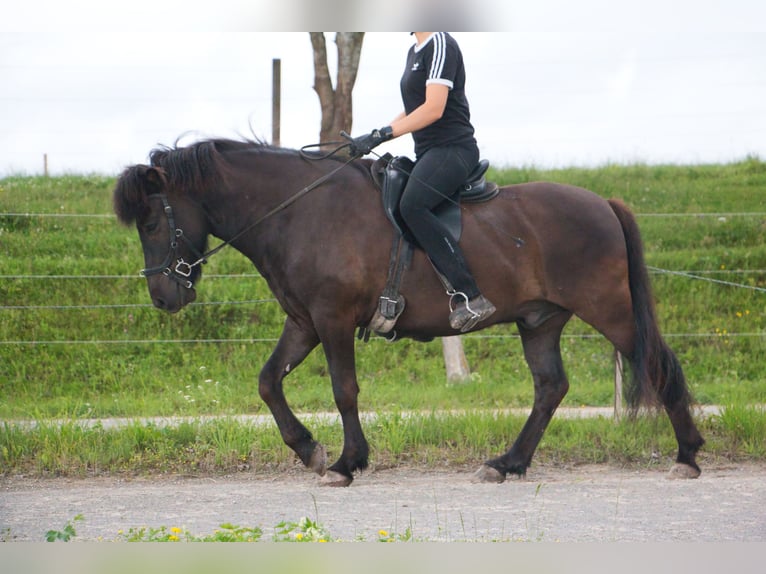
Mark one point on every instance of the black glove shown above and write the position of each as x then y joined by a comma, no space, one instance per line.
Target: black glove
363,145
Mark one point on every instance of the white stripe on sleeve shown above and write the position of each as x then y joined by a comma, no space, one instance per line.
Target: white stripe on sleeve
437,63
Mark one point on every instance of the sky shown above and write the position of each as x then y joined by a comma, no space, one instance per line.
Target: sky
551,83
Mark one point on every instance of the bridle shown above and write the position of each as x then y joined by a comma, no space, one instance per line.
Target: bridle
181,272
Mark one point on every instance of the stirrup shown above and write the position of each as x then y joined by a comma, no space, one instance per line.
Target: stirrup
463,317
452,294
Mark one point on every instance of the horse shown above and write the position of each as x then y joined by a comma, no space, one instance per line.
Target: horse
315,230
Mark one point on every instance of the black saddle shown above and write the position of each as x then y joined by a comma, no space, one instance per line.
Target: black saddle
391,175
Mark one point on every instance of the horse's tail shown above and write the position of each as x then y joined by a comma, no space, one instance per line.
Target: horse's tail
657,374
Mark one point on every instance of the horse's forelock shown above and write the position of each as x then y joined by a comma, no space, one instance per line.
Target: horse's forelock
133,188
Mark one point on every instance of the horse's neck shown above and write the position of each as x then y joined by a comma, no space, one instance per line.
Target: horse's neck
240,217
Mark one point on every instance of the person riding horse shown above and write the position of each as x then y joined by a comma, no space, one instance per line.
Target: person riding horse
437,115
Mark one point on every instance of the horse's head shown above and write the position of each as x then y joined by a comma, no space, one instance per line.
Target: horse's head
173,231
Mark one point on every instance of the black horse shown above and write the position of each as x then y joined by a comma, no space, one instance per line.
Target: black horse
541,252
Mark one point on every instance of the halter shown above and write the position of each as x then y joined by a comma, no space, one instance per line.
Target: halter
182,270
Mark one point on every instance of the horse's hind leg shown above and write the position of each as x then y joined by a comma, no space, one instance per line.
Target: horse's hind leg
657,376
294,345
543,355
675,399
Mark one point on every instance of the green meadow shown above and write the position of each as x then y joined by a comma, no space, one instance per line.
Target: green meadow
79,337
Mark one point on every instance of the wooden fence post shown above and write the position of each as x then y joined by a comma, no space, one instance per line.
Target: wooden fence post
454,360
618,412
276,100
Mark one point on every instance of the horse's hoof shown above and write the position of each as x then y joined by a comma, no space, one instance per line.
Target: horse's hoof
683,471
488,474
332,478
318,460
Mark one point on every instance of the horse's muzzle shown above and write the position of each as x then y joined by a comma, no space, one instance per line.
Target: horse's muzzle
172,301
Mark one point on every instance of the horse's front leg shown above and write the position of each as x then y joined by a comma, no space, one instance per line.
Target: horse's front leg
339,350
294,345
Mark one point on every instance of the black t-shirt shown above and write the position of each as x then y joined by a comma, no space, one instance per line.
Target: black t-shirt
438,60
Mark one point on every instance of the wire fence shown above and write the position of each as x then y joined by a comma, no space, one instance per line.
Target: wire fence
699,275
669,215
251,340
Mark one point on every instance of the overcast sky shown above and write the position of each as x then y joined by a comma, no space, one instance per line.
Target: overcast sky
566,83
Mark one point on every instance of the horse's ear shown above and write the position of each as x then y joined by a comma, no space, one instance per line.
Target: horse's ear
154,179
133,188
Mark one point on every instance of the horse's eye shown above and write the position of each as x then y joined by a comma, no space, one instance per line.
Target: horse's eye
150,226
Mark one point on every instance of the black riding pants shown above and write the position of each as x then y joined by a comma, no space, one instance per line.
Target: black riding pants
436,177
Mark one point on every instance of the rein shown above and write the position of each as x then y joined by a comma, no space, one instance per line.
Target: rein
183,270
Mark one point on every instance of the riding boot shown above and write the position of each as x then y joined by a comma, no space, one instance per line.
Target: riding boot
468,314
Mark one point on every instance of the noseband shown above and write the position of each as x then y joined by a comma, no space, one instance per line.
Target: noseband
182,270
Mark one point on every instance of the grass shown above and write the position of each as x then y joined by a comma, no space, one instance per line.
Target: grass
79,337
435,440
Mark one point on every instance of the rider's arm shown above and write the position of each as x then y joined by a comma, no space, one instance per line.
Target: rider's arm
425,114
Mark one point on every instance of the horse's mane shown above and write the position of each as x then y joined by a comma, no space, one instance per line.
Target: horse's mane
195,166
200,165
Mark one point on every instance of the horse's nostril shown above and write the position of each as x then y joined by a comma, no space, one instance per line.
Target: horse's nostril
160,303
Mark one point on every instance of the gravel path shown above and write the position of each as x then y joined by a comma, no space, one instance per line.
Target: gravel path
590,503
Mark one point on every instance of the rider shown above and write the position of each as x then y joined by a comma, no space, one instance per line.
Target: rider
437,115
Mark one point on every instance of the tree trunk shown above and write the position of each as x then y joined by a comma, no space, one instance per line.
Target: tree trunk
337,111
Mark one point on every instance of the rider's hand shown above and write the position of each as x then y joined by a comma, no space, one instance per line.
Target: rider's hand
363,145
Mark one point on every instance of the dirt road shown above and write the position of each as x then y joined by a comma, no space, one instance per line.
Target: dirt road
593,503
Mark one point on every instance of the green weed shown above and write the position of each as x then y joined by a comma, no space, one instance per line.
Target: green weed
67,533
304,530
225,533
386,536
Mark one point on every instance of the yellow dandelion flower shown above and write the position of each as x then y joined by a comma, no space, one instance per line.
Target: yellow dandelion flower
321,540
173,538
175,530
383,533
299,535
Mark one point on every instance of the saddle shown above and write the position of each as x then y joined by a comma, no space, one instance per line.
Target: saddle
390,174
